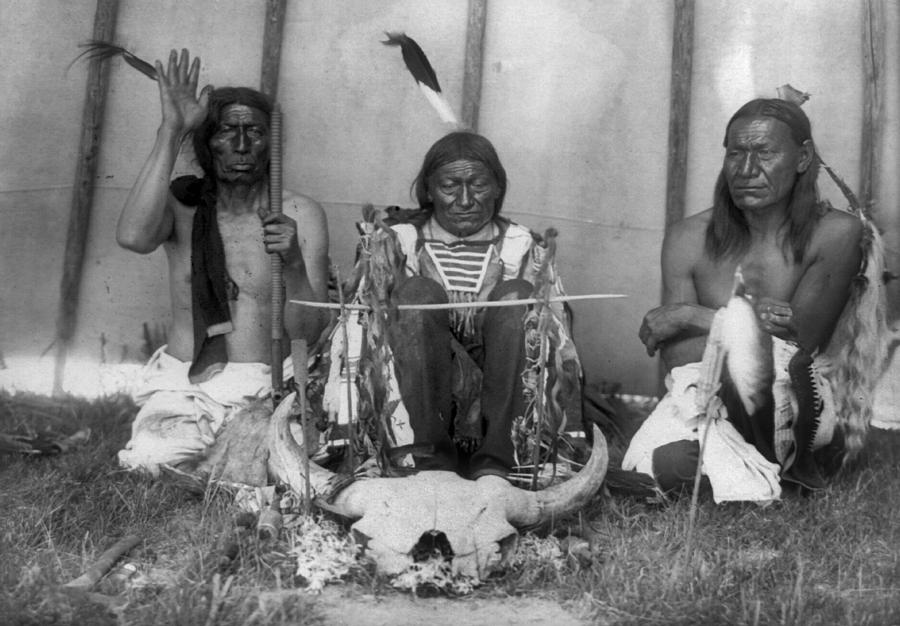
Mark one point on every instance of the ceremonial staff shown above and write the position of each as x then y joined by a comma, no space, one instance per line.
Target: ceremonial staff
277,262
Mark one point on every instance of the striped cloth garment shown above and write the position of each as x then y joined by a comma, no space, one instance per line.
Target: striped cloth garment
462,265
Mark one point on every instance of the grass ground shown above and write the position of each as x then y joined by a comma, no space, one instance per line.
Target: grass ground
830,558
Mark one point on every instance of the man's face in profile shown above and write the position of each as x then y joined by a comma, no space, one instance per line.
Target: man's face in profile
240,145
762,162
464,194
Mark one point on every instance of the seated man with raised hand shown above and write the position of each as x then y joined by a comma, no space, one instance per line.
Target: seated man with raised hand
798,258
465,375
218,234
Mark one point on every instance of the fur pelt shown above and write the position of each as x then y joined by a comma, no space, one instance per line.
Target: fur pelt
858,348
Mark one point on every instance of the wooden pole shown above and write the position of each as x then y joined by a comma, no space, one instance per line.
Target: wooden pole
273,35
474,63
679,109
83,192
873,102
299,354
679,120
103,564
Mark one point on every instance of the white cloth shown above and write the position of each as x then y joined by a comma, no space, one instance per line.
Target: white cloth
179,420
736,470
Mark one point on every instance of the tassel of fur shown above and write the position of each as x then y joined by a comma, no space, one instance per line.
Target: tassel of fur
857,353
748,350
858,348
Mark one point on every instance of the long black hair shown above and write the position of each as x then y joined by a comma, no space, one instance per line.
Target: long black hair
455,146
728,232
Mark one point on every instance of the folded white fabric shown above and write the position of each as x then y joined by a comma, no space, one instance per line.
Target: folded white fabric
736,470
179,420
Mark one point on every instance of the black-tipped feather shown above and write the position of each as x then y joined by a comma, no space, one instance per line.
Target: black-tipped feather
416,61
103,50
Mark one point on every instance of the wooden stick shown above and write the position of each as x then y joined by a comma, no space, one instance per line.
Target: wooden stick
83,192
344,320
276,260
679,124
474,63
461,305
679,109
299,357
712,364
873,102
273,36
103,564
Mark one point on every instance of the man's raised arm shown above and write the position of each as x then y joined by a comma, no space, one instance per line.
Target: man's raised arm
147,219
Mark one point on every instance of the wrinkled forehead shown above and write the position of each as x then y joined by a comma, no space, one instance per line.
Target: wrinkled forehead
758,129
463,169
243,115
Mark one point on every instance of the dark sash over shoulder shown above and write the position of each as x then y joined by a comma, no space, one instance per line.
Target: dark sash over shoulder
211,287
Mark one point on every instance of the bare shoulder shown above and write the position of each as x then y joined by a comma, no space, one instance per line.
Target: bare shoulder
693,226
836,231
304,206
685,238
308,213
841,223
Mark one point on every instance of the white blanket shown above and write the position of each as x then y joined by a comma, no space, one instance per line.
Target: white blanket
736,470
179,420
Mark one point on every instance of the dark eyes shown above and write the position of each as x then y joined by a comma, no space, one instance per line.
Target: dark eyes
478,186
254,132
763,153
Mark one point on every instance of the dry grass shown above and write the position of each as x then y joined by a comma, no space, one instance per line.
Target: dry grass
833,558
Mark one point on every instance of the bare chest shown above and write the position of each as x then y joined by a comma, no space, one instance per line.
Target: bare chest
246,259
765,269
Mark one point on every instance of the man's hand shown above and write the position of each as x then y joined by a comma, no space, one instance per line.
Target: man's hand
182,110
776,317
280,235
661,324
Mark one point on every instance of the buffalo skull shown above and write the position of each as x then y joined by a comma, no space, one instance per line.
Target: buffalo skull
472,523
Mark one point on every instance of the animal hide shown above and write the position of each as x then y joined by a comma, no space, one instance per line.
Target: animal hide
857,351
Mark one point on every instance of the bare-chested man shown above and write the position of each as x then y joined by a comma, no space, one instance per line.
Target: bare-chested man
797,257
218,236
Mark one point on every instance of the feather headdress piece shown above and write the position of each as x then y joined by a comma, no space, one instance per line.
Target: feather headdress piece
103,50
420,68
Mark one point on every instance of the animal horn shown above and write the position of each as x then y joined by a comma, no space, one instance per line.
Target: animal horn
534,508
286,461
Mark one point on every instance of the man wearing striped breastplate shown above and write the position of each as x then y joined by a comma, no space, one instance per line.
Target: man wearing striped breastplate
463,372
